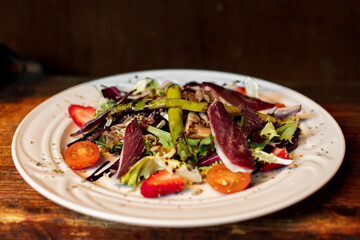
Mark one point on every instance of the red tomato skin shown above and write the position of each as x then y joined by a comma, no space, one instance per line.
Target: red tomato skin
241,90
82,154
224,181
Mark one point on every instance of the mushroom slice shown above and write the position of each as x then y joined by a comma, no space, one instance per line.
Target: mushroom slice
194,128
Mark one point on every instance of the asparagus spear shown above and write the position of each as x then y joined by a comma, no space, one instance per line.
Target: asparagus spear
176,124
169,103
178,103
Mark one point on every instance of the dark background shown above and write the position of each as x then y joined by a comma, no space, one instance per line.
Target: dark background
299,44
309,41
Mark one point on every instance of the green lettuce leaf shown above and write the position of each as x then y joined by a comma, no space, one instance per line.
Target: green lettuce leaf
269,132
145,85
200,147
284,132
164,137
269,157
142,169
148,165
287,131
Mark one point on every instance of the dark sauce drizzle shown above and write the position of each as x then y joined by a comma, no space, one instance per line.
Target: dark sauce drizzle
110,171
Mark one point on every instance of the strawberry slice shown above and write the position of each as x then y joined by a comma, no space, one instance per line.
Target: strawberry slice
279,152
80,114
162,183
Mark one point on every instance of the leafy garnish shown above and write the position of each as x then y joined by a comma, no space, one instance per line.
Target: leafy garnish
201,147
145,85
164,137
148,150
283,133
106,145
269,132
146,166
141,169
269,157
287,131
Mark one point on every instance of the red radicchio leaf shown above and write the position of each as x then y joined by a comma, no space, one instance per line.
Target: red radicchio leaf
133,147
111,93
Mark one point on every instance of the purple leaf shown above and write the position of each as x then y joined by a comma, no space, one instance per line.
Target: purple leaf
96,121
133,147
111,93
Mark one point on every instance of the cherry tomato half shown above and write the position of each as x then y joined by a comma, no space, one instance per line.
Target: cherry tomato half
241,90
82,154
225,181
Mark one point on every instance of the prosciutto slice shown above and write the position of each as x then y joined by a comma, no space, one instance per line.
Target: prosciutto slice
252,119
230,141
133,147
235,98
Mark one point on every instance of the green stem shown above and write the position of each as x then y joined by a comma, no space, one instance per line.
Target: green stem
177,103
176,124
170,103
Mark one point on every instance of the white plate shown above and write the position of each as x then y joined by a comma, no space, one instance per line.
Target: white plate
42,136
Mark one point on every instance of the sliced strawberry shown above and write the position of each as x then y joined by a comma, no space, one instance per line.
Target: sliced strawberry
279,152
80,114
162,183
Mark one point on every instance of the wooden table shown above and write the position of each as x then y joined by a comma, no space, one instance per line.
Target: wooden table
331,213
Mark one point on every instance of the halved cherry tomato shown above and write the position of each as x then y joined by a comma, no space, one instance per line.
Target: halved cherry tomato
225,181
82,154
279,105
241,90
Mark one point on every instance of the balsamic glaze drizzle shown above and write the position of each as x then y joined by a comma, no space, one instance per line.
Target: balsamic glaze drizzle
111,170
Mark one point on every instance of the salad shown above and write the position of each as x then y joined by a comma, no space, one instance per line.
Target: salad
165,137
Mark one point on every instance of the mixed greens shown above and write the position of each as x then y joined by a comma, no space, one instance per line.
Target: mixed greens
167,136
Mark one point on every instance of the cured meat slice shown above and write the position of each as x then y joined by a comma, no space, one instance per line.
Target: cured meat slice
253,125
133,147
235,98
230,141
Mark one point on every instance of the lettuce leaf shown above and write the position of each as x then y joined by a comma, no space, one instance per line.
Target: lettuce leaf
145,85
201,147
148,165
143,168
269,132
283,133
287,131
164,137
269,157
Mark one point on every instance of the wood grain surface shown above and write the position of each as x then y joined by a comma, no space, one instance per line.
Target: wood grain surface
331,213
